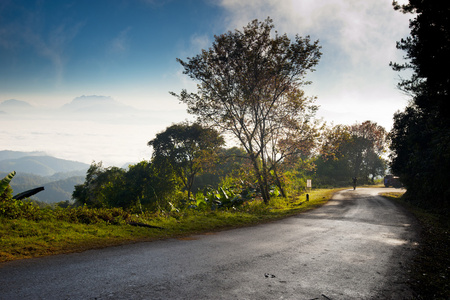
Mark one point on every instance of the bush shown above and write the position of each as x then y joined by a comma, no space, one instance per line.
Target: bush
12,209
87,215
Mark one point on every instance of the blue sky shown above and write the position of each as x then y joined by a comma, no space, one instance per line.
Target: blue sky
53,51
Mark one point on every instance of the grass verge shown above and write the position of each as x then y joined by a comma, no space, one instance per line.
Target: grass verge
430,271
22,238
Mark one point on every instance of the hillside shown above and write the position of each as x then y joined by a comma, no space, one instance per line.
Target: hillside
35,169
40,165
8,154
55,190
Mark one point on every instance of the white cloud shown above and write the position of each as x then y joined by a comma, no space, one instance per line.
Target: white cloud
200,42
364,30
358,41
120,43
53,45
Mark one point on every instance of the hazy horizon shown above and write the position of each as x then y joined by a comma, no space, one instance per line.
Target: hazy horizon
53,53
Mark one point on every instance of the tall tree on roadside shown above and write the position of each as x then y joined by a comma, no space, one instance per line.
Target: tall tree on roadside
368,144
100,187
420,138
245,80
291,132
352,151
150,186
332,167
187,149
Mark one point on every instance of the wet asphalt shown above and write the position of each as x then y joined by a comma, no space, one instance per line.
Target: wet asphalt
358,246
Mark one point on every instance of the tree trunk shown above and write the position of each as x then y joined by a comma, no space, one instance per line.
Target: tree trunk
265,176
278,182
260,179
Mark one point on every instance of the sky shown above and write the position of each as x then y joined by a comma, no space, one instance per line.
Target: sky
64,57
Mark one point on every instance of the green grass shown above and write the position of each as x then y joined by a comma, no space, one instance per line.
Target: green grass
430,272
23,238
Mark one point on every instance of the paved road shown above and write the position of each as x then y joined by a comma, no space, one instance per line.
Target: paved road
355,247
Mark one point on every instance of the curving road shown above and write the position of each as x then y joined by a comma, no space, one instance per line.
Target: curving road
356,247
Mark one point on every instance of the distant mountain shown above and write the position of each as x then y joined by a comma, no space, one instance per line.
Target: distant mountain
54,190
13,103
35,169
41,165
96,104
8,154
15,106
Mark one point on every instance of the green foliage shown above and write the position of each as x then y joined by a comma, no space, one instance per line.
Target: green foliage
351,151
144,185
232,194
4,184
229,163
85,215
11,208
99,185
187,148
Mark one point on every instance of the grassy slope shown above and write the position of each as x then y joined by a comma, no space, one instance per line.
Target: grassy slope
21,238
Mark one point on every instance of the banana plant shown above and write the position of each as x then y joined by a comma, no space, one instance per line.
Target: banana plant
5,182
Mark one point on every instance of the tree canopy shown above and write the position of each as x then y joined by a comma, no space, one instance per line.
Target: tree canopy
249,86
352,151
420,138
187,149
143,184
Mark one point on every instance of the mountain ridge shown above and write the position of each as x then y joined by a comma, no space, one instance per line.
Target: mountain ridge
35,169
42,165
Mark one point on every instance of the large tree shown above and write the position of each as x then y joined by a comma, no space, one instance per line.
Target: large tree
249,86
366,150
101,186
187,148
420,138
352,151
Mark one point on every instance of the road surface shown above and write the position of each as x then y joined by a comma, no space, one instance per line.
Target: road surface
356,247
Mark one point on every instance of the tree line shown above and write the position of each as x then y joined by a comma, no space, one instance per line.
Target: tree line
420,138
189,161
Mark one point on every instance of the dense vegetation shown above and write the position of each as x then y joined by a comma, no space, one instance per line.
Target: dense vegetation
420,138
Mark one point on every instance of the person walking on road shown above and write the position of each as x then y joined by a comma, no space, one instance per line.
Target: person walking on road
354,182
